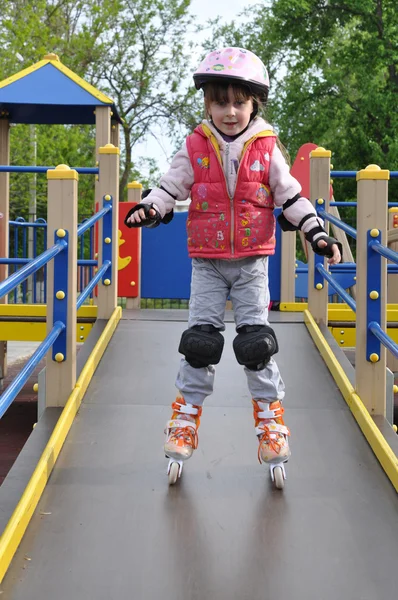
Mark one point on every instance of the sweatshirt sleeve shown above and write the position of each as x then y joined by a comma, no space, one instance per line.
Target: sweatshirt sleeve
285,187
175,185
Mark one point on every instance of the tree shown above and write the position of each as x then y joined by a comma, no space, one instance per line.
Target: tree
131,49
334,75
143,69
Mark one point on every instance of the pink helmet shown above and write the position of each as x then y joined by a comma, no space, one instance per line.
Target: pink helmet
234,65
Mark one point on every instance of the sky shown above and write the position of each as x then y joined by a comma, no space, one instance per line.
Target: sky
204,10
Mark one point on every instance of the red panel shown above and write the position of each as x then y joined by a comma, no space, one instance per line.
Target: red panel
128,261
301,168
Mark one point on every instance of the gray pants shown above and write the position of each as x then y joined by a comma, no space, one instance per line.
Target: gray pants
246,282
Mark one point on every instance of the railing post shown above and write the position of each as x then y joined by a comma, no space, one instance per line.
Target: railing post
4,226
319,188
62,224
134,191
372,206
108,228
392,280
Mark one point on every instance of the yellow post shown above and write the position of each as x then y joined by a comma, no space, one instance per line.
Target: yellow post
372,204
108,189
62,216
4,226
319,188
134,191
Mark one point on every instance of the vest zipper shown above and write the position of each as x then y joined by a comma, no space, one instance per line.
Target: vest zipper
231,201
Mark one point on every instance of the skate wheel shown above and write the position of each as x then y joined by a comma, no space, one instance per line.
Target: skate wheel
279,478
173,473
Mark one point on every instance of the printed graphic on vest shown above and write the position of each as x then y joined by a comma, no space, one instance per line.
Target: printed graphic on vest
257,166
204,162
264,197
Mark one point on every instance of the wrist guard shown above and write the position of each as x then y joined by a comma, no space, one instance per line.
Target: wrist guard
149,222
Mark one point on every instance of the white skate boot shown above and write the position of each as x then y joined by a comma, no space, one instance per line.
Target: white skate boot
272,433
181,436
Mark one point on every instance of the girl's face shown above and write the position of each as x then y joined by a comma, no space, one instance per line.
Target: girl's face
230,115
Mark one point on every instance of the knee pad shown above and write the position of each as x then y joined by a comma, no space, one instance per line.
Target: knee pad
254,345
202,345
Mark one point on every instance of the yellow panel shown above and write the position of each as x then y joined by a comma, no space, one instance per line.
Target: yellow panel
35,332
40,310
346,336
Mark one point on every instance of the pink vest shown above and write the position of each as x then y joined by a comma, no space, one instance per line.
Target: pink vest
222,227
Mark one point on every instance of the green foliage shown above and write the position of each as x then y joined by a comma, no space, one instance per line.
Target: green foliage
132,50
334,77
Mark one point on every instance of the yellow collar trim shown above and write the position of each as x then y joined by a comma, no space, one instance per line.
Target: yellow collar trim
208,133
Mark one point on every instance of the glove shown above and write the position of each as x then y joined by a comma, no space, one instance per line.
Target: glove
327,250
149,222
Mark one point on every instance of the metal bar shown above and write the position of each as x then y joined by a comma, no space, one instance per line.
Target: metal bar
337,287
22,169
17,384
353,174
347,228
24,261
348,204
10,283
341,268
383,338
90,222
386,252
93,283
26,224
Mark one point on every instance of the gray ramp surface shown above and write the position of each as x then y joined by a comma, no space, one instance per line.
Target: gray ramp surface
109,527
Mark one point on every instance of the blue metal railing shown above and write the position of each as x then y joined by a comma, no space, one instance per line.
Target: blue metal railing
19,250
375,334
353,174
57,338
6,287
22,169
19,381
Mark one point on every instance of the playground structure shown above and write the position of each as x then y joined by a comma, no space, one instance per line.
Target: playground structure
368,393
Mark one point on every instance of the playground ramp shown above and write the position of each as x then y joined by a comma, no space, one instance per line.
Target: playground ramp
109,527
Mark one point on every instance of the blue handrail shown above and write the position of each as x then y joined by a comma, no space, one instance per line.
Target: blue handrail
93,283
337,287
383,338
82,262
90,222
338,222
353,174
348,204
19,381
386,252
34,265
32,169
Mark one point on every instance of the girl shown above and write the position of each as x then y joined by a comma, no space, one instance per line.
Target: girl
236,174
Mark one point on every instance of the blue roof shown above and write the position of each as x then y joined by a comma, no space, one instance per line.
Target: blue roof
48,92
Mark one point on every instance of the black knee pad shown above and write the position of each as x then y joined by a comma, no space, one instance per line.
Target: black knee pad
254,345
202,345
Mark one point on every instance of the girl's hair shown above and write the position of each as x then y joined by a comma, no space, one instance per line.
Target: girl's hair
218,92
